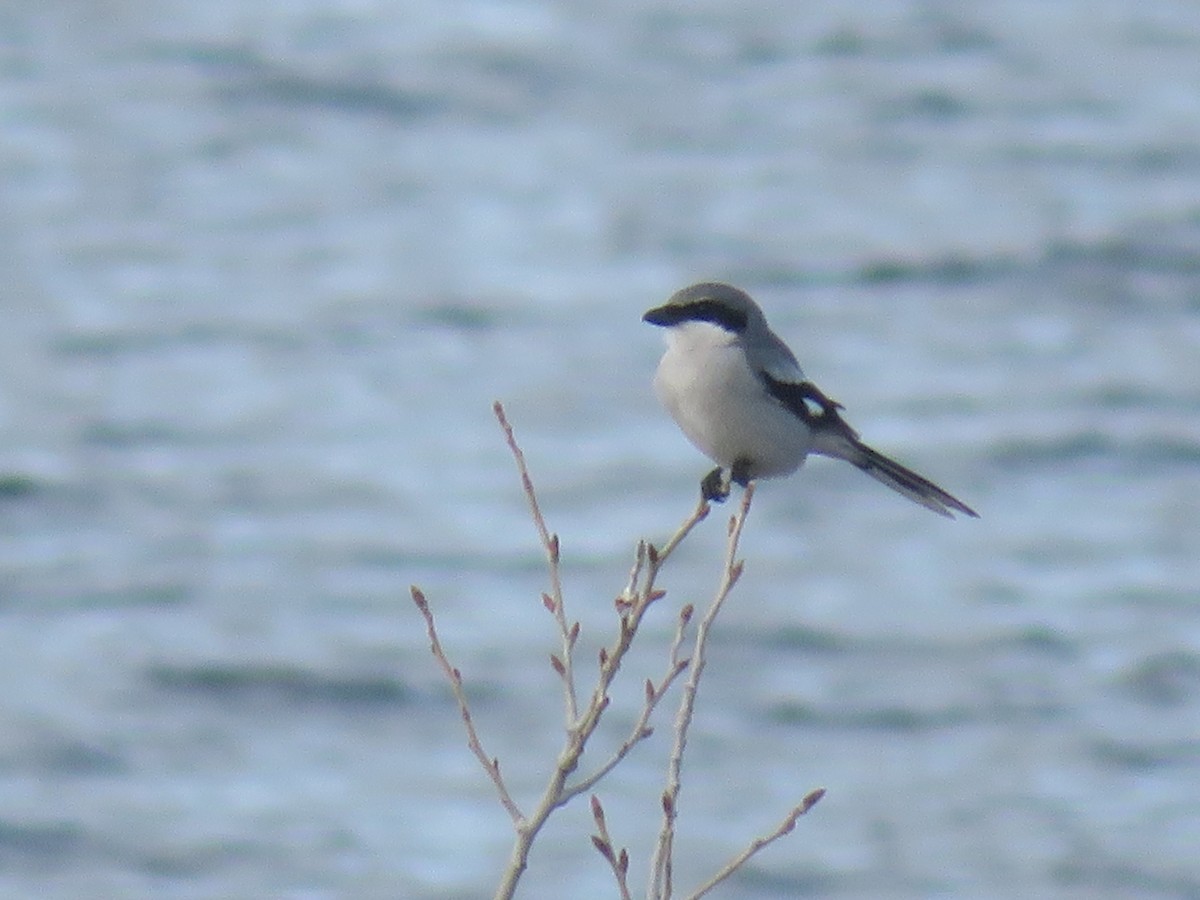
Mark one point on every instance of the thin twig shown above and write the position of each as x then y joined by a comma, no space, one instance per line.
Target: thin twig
582,721
697,516
635,573
490,764
631,613
602,841
581,724
569,633
641,728
661,866
757,844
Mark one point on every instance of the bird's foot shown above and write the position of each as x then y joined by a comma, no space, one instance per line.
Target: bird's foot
740,473
715,486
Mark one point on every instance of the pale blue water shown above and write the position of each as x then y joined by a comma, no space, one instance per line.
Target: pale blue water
267,266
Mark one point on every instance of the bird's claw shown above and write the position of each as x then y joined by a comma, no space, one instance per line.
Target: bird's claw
739,472
715,486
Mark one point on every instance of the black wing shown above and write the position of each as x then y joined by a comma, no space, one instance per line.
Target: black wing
806,401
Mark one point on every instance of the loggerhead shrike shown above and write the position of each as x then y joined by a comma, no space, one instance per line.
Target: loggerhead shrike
739,395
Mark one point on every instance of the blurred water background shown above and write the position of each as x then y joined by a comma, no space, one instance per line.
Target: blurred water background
265,268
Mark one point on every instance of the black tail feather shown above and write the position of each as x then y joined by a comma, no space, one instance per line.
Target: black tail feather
907,482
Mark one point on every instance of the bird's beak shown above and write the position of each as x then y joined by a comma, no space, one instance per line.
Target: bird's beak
661,315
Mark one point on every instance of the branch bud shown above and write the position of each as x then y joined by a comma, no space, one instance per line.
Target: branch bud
548,602
558,665
811,800
604,847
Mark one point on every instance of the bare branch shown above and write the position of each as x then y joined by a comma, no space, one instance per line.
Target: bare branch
556,793
582,723
583,714
785,827
661,866
489,763
618,862
659,556
641,728
551,545
635,573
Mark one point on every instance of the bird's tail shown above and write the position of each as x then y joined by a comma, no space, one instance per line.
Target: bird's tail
902,480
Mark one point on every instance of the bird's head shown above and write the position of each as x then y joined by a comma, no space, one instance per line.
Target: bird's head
712,302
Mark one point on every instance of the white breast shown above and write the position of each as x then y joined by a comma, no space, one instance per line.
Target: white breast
722,406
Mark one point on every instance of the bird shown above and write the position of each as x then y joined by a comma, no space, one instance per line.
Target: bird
738,394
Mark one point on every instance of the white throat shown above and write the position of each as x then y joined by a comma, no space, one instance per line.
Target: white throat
697,337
